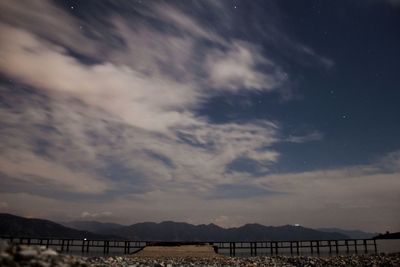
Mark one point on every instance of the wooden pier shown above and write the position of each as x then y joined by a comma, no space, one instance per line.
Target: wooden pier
260,248
309,247
81,245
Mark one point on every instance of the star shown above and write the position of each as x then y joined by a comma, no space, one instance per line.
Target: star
72,7
235,7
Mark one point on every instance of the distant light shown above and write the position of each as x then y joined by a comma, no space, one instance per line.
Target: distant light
84,239
296,224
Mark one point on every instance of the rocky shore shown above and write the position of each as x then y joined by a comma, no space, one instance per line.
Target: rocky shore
18,256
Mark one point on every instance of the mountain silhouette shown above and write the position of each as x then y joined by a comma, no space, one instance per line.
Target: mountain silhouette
178,231
91,226
169,231
16,226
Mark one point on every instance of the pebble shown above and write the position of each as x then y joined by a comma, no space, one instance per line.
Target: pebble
5,255
49,252
36,256
28,253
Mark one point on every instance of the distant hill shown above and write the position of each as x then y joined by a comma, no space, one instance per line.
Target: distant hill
388,236
92,226
355,234
16,226
173,231
166,231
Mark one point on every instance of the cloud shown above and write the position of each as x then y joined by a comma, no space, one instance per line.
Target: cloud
237,69
390,162
321,60
44,19
96,215
38,172
146,102
313,136
183,22
132,91
313,199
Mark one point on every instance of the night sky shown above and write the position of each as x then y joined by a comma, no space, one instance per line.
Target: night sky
227,112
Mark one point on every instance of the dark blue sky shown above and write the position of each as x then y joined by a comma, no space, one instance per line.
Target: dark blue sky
234,109
354,104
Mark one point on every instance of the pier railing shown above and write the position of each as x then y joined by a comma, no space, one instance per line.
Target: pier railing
271,248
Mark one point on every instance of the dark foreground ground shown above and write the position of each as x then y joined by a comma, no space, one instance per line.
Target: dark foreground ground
15,256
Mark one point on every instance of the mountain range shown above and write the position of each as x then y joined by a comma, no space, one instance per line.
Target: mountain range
98,227
11,225
16,226
174,231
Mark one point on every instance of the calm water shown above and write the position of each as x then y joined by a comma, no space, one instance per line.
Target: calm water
384,246
388,246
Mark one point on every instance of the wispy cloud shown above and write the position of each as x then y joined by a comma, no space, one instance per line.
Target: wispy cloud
239,69
313,136
47,21
147,88
313,198
95,215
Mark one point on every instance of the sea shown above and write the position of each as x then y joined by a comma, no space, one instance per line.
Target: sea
383,246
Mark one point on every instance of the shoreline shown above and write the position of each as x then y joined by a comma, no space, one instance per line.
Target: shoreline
36,256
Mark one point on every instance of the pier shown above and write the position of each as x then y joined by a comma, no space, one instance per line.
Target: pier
259,248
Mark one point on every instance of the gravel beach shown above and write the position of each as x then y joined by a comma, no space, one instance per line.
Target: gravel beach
34,256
